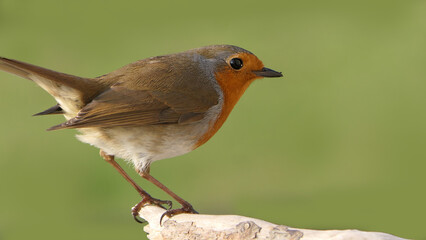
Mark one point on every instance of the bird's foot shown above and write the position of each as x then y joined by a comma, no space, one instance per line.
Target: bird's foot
148,200
186,208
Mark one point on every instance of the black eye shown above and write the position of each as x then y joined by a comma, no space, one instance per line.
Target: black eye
236,63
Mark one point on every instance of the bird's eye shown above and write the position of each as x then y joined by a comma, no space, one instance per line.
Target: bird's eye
236,63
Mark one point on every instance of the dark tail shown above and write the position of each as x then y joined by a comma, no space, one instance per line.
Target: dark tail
71,92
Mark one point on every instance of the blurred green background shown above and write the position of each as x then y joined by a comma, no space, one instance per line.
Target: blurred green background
338,143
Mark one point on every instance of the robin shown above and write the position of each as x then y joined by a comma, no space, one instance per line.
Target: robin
152,109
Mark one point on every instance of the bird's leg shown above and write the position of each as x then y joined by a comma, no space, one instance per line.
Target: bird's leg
146,198
186,206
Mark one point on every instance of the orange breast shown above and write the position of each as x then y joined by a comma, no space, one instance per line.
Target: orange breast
233,86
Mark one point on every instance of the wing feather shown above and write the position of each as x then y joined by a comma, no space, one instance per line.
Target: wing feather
123,107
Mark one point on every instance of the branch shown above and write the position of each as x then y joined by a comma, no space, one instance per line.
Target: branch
198,226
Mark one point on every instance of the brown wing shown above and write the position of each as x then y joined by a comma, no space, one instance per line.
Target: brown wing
120,106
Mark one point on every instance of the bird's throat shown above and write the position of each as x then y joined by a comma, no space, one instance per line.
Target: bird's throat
233,87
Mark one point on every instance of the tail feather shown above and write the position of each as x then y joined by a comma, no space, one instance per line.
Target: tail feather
53,110
71,92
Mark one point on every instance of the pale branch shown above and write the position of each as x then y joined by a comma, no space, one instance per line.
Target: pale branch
200,226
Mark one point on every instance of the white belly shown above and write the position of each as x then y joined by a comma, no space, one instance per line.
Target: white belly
146,144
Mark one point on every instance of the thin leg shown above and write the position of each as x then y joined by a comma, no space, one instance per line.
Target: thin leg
110,159
186,207
157,183
146,198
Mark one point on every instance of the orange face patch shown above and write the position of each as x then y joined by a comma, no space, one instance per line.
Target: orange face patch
233,83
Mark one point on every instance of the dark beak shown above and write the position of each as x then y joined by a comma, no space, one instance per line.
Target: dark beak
267,72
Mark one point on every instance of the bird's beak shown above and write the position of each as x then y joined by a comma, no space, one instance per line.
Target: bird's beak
267,72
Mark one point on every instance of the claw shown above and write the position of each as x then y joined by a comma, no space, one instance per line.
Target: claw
147,201
172,212
161,218
139,220
169,203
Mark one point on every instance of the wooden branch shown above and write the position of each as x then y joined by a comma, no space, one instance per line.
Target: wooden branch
199,226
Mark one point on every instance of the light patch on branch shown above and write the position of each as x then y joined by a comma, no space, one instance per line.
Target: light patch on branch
217,227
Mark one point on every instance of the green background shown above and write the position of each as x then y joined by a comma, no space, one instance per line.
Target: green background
338,143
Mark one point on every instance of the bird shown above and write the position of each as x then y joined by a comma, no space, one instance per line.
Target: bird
153,109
